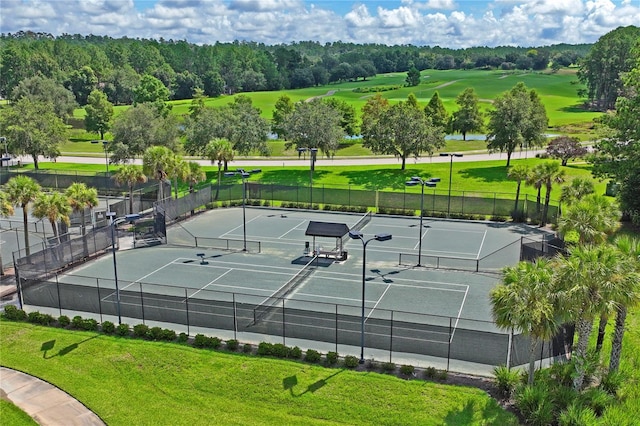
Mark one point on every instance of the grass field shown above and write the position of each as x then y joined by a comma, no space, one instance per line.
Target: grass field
131,382
557,91
12,415
472,177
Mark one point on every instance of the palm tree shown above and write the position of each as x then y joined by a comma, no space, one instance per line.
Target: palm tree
130,174
587,278
535,179
81,198
22,190
628,294
518,173
55,207
176,169
525,301
219,150
578,189
194,174
550,173
6,210
155,162
591,219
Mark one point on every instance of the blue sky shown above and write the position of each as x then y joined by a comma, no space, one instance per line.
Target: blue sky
446,23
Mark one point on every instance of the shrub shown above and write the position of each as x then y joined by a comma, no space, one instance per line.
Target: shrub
200,341
168,335
407,370
506,380
561,373
140,330
577,415
12,312
596,398
371,365
350,361
442,375
108,327
611,382
77,322
279,350
312,356
232,345
247,348
295,353
64,321
90,324
388,367
331,358
154,333
214,342
38,318
183,337
265,348
33,317
563,397
430,372
534,404
122,330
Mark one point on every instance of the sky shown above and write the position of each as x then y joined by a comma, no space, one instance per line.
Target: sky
445,23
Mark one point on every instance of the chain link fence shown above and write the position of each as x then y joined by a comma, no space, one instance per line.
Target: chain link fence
454,341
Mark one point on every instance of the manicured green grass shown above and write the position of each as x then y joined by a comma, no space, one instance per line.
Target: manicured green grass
471,177
12,415
135,382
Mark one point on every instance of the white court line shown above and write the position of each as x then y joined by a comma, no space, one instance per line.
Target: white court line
295,228
455,327
481,244
336,276
379,300
419,287
239,226
221,265
149,274
210,282
433,229
422,236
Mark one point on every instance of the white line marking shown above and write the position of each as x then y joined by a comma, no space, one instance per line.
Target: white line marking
295,228
379,300
210,282
459,315
481,244
238,227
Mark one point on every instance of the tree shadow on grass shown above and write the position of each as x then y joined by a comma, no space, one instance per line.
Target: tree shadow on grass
486,174
373,179
291,177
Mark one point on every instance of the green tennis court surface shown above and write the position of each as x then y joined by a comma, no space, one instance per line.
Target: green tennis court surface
270,292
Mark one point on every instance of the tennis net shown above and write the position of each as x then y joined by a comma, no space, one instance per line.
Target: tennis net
263,307
358,226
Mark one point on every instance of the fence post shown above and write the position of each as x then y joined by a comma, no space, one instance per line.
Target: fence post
284,333
462,203
235,317
186,304
510,343
449,344
336,305
391,340
142,302
60,300
99,303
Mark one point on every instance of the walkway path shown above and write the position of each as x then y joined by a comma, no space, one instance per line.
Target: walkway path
45,403
321,161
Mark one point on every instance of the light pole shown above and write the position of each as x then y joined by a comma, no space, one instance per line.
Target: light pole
357,235
114,222
106,162
450,155
431,183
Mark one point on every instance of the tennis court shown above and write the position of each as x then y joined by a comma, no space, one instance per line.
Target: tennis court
279,291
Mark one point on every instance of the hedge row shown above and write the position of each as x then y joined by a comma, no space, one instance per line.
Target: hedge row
277,350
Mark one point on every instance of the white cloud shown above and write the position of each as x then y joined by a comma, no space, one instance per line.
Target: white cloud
446,23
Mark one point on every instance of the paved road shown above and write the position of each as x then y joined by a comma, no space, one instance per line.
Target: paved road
321,161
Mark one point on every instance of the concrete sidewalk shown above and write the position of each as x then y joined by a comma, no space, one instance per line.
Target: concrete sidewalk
45,403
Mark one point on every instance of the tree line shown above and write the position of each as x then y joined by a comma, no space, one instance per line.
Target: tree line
116,66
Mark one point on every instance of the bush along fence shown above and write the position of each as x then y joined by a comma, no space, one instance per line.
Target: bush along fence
267,349
461,205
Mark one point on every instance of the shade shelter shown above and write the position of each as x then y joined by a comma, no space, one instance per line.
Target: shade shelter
327,230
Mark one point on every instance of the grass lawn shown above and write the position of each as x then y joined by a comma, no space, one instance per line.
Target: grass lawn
129,382
471,177
12,415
